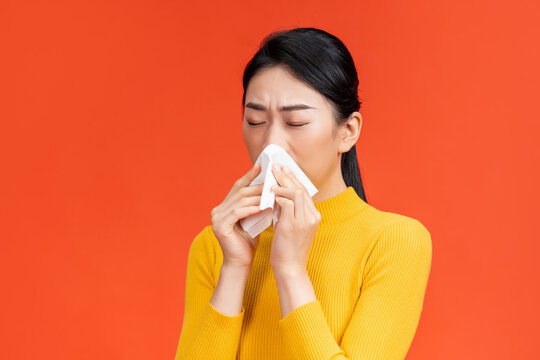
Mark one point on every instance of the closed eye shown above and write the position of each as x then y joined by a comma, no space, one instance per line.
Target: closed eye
290,124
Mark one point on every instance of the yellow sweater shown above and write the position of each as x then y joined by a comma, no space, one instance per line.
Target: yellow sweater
369,269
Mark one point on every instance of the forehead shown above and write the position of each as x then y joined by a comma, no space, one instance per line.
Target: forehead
278,86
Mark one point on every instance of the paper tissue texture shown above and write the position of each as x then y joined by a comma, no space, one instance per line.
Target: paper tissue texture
256,223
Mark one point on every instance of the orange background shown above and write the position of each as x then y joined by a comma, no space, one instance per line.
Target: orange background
121,130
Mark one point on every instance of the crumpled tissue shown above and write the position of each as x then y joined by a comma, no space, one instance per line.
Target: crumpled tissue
256,223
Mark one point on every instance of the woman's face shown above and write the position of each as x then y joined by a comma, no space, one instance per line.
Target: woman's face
306,128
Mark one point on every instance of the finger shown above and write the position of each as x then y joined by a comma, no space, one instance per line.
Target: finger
249,200
299,206
289,194
287,207
294,179
247,191
238,213
281,177
295,195
252,189
240,200
311,210
243,192
249,176
309,200
309,206
283,191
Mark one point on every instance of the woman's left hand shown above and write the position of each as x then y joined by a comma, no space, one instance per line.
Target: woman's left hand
296,225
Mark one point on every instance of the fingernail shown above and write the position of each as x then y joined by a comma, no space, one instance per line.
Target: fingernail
276,167
286,170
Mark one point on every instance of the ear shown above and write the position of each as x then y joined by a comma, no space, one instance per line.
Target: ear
349,132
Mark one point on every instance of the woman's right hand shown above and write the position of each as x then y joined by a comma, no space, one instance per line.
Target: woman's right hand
242,201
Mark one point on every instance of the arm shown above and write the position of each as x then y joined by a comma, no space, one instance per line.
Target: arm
212,315
388,310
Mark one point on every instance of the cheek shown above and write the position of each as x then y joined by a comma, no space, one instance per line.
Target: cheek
252,142
316,151
251,135
318,137
315,157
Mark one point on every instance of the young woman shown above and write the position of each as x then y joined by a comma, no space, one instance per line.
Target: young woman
336,278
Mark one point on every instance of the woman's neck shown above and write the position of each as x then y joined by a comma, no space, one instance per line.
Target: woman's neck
331,188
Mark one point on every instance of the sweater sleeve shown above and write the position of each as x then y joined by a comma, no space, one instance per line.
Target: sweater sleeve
206,333
387,312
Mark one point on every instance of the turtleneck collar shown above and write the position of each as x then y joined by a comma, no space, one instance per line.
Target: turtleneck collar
339,207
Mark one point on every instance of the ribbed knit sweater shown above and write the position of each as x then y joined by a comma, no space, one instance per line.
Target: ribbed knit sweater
369,269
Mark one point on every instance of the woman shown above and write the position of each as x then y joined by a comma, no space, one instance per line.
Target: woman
336,278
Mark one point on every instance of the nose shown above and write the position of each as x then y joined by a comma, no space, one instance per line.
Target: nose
277,136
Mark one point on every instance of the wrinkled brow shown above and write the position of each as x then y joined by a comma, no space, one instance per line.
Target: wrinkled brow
293,107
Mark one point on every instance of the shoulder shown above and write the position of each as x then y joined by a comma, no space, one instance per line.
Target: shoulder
204,243
386,221
401,235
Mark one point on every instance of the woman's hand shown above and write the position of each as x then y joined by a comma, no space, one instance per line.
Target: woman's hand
243,200
296,225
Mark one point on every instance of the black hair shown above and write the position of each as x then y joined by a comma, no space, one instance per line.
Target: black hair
321,61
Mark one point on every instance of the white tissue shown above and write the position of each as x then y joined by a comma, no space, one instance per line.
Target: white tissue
256,223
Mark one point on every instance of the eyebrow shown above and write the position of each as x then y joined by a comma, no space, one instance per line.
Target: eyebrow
292,107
